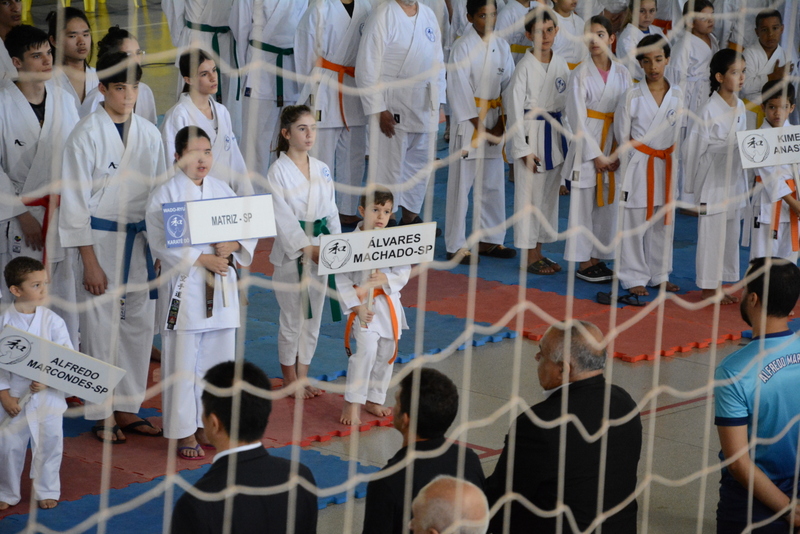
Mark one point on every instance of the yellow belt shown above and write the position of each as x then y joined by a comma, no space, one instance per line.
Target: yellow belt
484,106
519,49
608,120
757,109
573,65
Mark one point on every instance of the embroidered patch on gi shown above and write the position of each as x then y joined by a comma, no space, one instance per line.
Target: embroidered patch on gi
561,85
227,143
361,29
672,117
431,35
326,173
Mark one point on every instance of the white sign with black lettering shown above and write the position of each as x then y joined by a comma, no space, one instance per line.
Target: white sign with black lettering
230,219
56,366
769,147
375,249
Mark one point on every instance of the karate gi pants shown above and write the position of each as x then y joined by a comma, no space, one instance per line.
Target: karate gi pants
591,219
717,249
763,245
41,422
646,254
399,164
368,369
260,128
492,210
297,334
186,358
536,205
344,153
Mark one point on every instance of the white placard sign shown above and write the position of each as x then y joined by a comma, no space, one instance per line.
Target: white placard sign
769,147
230,219
56,366
375,249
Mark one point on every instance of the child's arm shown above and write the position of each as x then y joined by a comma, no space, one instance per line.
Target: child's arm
36,387
515,97
622,126
10,404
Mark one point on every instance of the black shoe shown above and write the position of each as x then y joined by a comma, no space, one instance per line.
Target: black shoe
596,274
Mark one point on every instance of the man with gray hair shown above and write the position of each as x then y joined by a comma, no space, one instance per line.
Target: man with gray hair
449,503
571,362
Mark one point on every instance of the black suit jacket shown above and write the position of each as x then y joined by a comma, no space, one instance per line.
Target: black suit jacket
383,513
262,514
536,461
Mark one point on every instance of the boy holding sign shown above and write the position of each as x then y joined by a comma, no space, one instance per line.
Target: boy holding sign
40,419
375,324
775,205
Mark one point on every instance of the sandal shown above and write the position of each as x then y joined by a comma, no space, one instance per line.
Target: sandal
463,256
113,430
184,456
629,300
133,428
498,251
556,267
538,267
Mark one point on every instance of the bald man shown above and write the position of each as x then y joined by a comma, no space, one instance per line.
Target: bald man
571,367
447,502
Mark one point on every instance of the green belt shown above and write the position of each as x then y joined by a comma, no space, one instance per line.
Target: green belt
217,30
279,63
320,228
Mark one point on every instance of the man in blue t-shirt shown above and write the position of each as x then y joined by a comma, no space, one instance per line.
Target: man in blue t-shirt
756,395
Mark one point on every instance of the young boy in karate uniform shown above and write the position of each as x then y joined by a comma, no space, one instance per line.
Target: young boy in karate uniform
535,100
481,67
774,221
10,16
377,329
569,42
325,50
39,420
640,27
647,124
36,117
197,334
510,25
112,162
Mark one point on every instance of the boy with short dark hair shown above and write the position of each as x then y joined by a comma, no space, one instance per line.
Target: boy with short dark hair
376,328
26,279
774,227
113,160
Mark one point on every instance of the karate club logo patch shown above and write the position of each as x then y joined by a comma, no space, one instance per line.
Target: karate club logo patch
336,254
228,140
14,349
755,148
326,173
561,85
431,34
176,226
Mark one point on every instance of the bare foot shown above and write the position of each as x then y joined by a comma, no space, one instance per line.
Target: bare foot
638,290
187,448
46,504
710,294
670,287
350,414
377,409
4,505
728,299
315,392
202,440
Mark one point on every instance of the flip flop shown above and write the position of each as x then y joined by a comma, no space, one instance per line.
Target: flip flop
498,251
133,428
538,266
629,300
183,456
556,267
103,428
207,447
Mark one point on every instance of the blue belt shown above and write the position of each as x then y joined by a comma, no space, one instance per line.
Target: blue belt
131,229
548,137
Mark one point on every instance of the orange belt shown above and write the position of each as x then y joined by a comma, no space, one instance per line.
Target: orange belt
608,120
573,65
44,202
377,292
342,70
793,218
483,108
665,25
666,155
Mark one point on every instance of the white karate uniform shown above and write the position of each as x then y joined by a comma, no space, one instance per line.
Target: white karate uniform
61,80
145,103
327,31
442,14
736,20
759,66
107,179
403,56
714,174
510,26
766,239
482,70
535,100
368,368
569,42
214,14
274,23
40,420
228,160
8,72
688,67
295,199
193,342
30,167
646,257
626,48
586,90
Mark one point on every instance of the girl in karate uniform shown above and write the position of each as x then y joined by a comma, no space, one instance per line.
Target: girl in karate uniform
714,174
71,37
119,40
198,329
197,106
305,207
640,27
